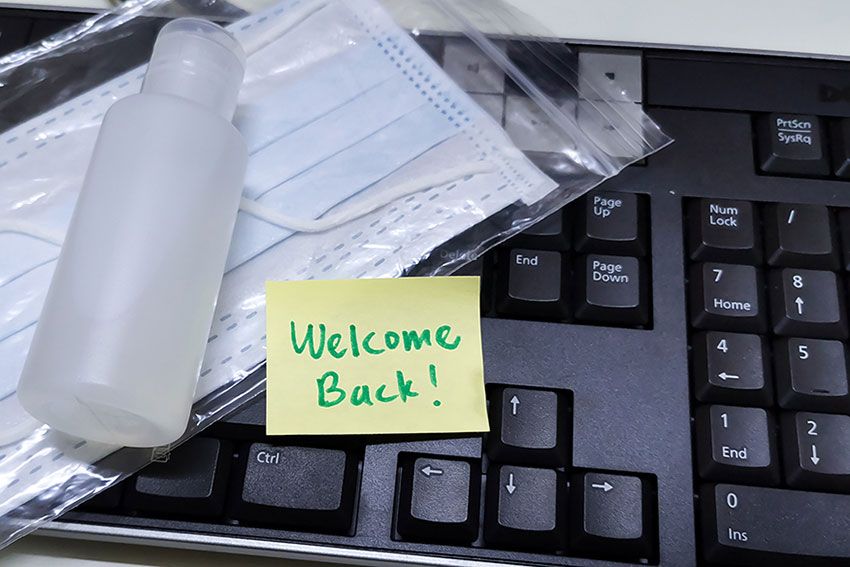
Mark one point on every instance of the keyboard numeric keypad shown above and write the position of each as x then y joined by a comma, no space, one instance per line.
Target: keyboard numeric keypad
769,368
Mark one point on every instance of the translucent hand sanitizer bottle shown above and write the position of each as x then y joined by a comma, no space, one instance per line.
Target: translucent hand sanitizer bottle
121,338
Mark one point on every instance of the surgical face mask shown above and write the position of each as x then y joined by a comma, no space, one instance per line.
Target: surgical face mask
364,157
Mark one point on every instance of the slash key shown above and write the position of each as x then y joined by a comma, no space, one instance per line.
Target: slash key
800,236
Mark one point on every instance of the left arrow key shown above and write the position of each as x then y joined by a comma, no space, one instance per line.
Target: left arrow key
428,470
438,499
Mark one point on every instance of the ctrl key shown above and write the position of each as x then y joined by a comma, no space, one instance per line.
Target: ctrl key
753,525
302,488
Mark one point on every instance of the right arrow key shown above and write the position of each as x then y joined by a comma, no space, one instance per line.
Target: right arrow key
612,515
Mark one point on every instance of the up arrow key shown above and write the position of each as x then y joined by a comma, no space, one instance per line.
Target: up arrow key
514,404
428,470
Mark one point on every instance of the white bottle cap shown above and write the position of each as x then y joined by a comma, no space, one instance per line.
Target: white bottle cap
197,60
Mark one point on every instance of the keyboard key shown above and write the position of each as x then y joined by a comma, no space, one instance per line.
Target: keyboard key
548,234
817,450
611,515
612,289
792,144
736,444
610,75
14,33
807,303
191,482
531,284
439,500
723,231
841,148
531,427
811,374
532,130
766,526
525,508
800,236
612,223
731,368
302,488
471,68
727,297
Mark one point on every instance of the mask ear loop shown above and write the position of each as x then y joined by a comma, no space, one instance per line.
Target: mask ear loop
279,26
33,230
369,204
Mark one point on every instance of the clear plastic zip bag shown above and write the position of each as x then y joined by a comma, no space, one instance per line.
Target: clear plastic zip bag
373,154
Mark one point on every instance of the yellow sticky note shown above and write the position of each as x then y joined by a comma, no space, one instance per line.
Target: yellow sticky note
374,356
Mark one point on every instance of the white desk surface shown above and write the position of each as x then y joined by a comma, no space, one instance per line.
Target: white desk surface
814,27
41,551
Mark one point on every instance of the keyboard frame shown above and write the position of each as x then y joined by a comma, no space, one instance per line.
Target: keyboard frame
612,372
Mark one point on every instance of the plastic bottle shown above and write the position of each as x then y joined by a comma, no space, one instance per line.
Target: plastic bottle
121,338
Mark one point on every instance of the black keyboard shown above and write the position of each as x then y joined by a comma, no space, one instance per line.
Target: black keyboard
666,361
